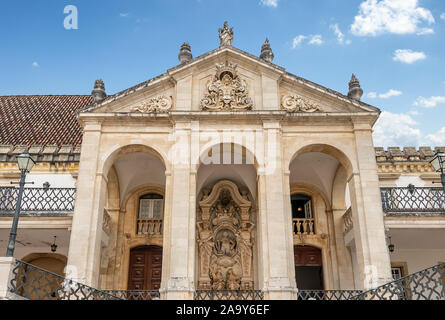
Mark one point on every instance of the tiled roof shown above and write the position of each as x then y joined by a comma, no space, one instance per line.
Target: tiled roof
41,119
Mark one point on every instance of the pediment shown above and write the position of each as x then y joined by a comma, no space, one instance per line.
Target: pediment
229,79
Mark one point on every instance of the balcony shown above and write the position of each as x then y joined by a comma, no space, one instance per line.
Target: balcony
303,226
38,201
150,227
413,201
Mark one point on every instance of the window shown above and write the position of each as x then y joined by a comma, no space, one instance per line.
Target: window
301,206
151,206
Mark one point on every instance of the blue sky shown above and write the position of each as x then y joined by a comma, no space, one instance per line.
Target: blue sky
395,48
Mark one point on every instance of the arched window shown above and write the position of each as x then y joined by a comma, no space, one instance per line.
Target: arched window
301,206
151,206
302,215
150,214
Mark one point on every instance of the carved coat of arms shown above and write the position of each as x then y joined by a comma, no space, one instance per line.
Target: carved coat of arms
226,91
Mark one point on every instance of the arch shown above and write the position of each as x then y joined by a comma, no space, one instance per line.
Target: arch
34,256
247,155
110,157
326,149
140,191
310,190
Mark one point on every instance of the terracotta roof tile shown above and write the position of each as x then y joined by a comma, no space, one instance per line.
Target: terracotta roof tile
41,119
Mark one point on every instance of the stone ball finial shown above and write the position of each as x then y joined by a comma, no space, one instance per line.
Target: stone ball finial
355,91
98,92
266,51
185,53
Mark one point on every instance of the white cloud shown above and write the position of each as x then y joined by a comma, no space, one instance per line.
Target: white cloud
269,3
390,16
390,93
123,15
316,40
429,103
442,16
387,95
297,41
392,129
35,64
340,36
425,31
399,129
436,139
408,56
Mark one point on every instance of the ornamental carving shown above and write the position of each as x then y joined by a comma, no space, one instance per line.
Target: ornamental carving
157,104
225,239
226,90
296,103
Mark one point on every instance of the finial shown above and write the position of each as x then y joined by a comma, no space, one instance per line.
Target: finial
185,53
98,92
225,35
266,52
355,91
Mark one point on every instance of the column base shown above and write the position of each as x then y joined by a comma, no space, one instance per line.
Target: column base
6,266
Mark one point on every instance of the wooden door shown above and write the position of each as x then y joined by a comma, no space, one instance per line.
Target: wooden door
145,268
308,268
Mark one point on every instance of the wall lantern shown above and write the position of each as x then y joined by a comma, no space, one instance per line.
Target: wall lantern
54,245
390,246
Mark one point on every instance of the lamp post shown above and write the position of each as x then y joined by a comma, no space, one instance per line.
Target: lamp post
438,164
25,163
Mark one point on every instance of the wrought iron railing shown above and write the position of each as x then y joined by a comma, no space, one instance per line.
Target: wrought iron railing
347,221
413,201
135,294
428,284
149,226
327,294
34,283
303,226
228,295
38,201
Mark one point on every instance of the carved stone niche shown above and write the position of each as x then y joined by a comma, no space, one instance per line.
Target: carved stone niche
225,239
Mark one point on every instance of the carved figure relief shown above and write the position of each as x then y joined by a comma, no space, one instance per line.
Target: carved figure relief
157,104
225,239
226,90
296,103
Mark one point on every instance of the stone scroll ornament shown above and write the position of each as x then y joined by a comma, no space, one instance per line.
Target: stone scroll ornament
157,104
226,90
296,103
225,239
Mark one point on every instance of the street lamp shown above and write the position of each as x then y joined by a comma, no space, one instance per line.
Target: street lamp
25,163
438,164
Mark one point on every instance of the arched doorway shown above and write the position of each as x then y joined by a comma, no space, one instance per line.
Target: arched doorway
308,268
145,268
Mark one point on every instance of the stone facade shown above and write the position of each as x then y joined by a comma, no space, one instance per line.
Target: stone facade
226,139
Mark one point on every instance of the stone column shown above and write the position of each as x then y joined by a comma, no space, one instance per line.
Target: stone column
180,273
279,284
6,265
367,215
84,252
